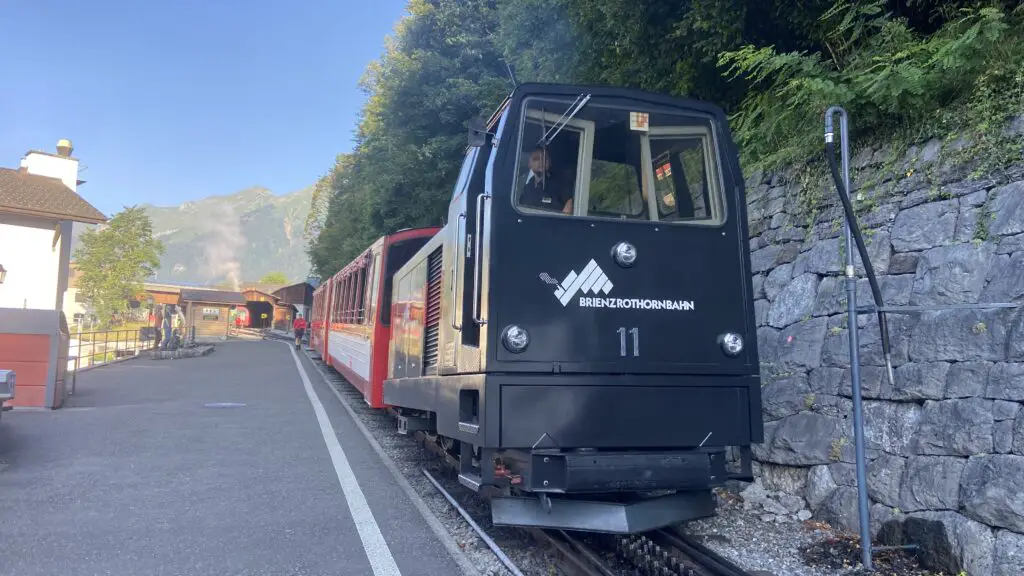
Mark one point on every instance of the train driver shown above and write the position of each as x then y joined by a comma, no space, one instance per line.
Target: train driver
544,190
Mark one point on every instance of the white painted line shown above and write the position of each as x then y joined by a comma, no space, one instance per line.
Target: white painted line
468,569
377,551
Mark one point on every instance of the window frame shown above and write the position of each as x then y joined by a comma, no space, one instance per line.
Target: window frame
711,145
718,208
581,190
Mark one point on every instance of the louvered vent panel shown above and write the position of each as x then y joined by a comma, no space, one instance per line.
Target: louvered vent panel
433,312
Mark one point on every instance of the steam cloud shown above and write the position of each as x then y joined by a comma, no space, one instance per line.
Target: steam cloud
222,231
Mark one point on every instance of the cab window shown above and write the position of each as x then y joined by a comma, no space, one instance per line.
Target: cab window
612,162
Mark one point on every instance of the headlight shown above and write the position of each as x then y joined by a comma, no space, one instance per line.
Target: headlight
624,254
732,343
515,338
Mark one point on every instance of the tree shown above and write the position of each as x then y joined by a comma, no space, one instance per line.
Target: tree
274,278
114,261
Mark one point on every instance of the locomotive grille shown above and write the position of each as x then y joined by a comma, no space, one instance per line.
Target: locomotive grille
433,312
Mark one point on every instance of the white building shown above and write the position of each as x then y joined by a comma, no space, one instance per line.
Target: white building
38,203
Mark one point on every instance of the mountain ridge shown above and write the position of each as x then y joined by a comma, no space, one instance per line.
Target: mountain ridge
230,238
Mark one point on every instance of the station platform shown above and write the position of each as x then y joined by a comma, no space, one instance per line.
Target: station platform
240,462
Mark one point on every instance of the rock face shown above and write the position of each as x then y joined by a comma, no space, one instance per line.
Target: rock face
945,439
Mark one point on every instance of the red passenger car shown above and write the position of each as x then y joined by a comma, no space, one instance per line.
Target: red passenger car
351,319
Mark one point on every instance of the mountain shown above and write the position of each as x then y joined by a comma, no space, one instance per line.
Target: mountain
234,238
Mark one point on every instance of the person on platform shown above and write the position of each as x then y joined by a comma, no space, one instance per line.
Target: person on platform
299,326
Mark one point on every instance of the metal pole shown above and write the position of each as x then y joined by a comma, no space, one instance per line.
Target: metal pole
851,321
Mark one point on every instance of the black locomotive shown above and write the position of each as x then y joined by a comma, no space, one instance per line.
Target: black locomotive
581,333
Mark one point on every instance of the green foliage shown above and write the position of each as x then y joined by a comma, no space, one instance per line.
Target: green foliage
114,261
881,69
441,69
274,278
905,70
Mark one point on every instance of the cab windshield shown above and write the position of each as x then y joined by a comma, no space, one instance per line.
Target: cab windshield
614,162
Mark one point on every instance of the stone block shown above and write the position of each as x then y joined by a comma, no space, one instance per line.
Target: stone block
785,397
757,284
794,301
889,426
921,381
768,347
967,223
931,483
1007,203
951,542
839,509
844,473
831,296
836,350
1009,554
1018,434
1004,410
819,485
967,379
874,383
1006,382
761,308
804,439
1005,279
885,520
1015,351
974,199
777,279
826,380
879,216
883,479
904,263
799,345
1002,437
952,274
765,259
955,428
961,335
990,490
925,226
1011,244
787,479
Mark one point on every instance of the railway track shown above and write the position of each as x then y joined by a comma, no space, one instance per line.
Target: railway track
662,552
657,553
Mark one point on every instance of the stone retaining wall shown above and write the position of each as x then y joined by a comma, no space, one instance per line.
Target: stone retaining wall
946,443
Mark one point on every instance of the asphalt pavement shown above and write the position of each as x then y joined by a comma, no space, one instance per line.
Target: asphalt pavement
232,463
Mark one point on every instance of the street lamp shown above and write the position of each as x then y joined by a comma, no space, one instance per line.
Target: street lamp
3,273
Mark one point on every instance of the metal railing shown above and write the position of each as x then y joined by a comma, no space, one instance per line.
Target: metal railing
87,349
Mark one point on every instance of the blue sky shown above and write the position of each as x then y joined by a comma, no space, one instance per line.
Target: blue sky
171,101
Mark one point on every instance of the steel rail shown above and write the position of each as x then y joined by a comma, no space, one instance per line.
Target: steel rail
476,528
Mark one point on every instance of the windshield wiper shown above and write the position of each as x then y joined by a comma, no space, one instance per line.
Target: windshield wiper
575,107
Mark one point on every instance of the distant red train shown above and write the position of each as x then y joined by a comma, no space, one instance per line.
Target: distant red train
351,319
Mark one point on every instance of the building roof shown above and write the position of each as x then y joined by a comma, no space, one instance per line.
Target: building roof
212,296
34,195
299,293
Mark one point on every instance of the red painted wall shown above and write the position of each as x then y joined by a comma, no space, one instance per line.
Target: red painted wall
29,356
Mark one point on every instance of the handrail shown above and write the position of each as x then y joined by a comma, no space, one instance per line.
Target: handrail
477,275
459,255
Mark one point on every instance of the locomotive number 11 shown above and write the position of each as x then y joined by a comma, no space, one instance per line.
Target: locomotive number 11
622,341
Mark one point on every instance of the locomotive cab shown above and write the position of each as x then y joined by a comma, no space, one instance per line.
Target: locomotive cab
589,330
